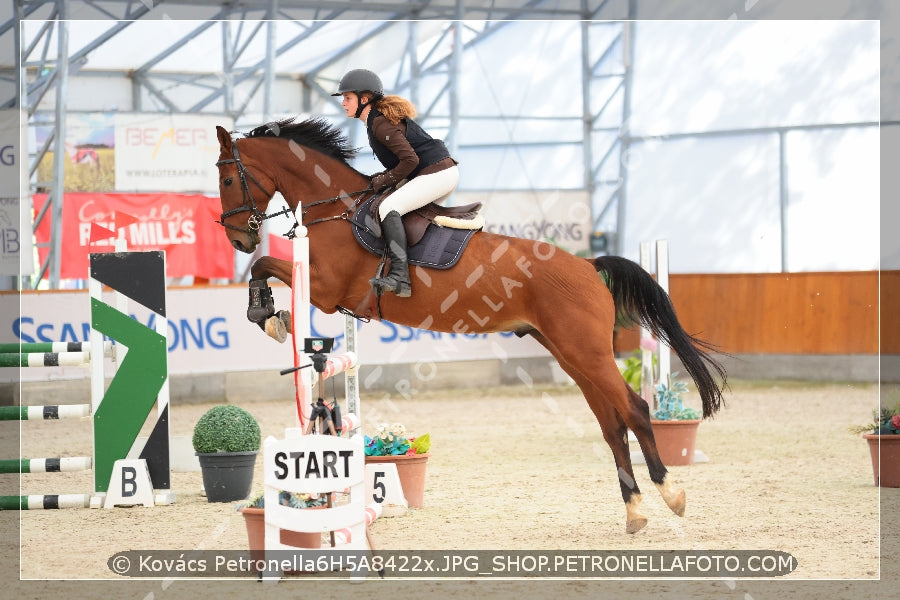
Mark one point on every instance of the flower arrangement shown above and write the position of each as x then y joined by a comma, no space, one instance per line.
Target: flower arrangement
294,500
884,422
671,404
391,440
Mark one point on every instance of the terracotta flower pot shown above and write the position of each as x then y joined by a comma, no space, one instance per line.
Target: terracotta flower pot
411,470
675,441
254,519
887,469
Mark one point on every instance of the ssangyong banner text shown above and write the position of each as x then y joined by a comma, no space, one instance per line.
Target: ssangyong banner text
208,332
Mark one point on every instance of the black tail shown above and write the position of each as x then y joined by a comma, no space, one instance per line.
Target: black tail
639,299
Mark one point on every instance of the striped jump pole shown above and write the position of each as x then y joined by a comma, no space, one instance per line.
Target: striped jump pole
45,359
340,363
19,348
120,409
45,501
46,413
66,464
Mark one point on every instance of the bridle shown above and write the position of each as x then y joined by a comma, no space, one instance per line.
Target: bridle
254,221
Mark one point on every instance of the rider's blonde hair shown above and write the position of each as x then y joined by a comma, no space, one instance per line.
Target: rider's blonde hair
395,108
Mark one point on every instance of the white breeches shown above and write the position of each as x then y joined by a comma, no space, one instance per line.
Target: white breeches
420,190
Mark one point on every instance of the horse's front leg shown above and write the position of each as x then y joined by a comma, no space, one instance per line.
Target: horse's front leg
261,306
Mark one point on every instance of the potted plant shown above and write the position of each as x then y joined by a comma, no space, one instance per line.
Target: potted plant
226,440
883,436
253,512
674,424
410,454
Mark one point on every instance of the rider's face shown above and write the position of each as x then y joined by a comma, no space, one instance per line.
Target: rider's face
350,102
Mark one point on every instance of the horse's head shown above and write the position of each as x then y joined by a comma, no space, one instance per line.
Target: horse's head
244,194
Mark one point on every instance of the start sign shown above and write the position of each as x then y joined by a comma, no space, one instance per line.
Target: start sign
312,464
320,464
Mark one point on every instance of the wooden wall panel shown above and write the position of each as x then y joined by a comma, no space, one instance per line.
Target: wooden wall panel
785,313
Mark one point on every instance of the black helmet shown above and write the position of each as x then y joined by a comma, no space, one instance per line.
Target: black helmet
360,80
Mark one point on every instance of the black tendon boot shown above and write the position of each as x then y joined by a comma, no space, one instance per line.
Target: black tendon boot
262,304
397,279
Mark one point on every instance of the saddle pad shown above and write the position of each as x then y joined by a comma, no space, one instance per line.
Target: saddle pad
439,248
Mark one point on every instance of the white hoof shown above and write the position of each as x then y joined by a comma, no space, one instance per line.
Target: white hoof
275,329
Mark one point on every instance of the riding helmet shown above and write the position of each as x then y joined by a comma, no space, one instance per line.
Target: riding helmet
360,80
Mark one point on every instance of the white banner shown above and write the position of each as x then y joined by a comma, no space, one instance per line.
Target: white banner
208,332
167,152
561,218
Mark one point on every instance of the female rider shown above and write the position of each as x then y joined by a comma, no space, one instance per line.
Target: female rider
418,168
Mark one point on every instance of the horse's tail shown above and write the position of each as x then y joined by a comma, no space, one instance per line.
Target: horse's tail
640,299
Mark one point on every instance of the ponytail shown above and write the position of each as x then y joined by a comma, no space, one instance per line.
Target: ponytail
395,108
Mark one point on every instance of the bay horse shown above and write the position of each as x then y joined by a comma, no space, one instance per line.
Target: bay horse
500,284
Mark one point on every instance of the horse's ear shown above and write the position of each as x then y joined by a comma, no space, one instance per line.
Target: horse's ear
224,139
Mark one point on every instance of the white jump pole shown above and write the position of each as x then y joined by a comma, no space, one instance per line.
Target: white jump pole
301,327
647,383
662,277
348,363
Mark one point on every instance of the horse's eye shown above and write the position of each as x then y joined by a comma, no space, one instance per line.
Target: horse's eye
228,181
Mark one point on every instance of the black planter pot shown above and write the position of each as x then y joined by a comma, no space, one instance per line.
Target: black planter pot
227,476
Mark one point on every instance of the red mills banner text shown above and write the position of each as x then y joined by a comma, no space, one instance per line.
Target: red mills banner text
181,224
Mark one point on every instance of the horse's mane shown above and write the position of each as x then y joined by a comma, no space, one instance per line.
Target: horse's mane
316,134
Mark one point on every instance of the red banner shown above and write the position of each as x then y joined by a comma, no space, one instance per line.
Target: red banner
181,224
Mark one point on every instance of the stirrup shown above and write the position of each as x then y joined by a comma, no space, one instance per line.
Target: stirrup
400,288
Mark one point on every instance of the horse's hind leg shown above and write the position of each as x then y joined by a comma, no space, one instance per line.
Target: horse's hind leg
639,422
614,433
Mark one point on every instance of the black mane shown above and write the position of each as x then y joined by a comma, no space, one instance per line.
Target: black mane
316,134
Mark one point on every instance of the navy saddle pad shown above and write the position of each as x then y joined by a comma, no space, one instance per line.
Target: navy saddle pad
439,248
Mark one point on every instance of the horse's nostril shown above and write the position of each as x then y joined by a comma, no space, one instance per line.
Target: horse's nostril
237,245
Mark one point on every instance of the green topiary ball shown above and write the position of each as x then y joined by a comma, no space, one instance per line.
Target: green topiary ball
226,428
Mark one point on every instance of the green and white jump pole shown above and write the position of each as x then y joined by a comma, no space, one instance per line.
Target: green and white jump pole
119,410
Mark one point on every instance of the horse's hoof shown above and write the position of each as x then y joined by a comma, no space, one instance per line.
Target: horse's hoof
276,330
285,316
678,505
635,525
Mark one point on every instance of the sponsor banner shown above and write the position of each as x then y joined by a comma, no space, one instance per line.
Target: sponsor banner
167,152
183,225
208,332
560,218
89,163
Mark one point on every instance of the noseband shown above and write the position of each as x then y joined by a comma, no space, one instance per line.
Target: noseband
254,221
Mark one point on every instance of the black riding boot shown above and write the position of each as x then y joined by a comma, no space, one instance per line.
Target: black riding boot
397,279
262,304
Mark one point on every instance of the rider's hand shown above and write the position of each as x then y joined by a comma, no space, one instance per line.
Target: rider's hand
381,181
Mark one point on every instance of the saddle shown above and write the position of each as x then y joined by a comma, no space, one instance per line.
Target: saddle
435,235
